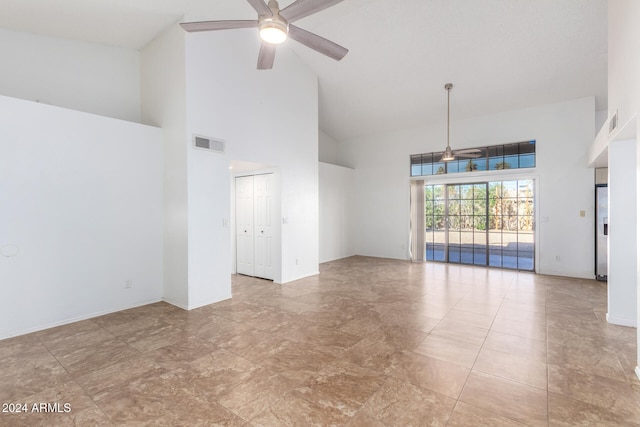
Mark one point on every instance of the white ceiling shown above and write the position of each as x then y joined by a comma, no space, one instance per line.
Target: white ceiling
500,54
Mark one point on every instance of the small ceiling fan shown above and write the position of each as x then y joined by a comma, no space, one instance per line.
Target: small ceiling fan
449,155
275,26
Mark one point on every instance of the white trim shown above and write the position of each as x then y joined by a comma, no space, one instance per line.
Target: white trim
175,303
79,318
469,177
208,302
294,278
638,371
622,321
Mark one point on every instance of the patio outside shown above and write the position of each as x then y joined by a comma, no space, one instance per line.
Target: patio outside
483,223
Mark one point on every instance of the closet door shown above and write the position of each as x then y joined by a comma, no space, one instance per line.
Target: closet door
245,225
263,221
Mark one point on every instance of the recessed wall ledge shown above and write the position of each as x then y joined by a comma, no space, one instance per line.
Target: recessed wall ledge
598,154
626,131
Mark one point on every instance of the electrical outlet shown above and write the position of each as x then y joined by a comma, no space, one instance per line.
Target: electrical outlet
128,284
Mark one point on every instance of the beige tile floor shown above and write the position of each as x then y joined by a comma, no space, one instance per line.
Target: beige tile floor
368,342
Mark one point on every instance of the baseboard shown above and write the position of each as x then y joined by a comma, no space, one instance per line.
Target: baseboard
78,318
324,261
293,279
175,303
621,321
208,302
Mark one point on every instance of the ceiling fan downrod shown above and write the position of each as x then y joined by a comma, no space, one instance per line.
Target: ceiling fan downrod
448,154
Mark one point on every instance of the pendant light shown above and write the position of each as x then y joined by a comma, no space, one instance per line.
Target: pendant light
448,154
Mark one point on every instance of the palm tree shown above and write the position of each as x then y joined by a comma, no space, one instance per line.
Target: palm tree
471,166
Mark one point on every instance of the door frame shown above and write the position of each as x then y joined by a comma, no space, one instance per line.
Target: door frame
500,175
277,213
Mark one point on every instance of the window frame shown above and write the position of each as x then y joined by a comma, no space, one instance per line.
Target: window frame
515,155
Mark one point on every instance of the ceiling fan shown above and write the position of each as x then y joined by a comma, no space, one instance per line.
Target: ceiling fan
449,155
275,26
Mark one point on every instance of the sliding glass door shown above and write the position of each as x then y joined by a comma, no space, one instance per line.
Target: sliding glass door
436,231
488,223
467,214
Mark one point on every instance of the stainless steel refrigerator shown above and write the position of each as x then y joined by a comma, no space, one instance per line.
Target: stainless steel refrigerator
602,230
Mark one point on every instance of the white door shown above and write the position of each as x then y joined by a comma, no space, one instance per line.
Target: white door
262,202
244,225
254,226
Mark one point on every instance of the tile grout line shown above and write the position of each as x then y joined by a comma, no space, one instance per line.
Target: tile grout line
511,380
74,378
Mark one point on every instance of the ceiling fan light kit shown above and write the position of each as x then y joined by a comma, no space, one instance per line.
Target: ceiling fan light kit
273,31
447,156
274,28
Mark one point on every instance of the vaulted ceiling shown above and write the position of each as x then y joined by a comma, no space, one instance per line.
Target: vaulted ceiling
500,54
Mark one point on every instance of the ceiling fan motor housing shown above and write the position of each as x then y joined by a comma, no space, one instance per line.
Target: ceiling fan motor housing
273,29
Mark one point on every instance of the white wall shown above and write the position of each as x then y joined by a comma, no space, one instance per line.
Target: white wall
563,132
622,256
266,117
327,148
601,119
164,104
72,74
624,58
81,202
336,193
624,92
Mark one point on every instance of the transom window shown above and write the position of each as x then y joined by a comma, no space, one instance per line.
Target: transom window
517,155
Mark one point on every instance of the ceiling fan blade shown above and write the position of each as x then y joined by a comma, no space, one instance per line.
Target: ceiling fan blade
261,7
267,56
469,151
217,25
301,8
317,43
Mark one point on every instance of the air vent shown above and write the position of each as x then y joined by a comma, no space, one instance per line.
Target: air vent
206,143
613,123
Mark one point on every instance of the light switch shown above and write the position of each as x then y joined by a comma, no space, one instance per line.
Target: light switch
583,213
